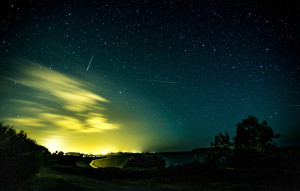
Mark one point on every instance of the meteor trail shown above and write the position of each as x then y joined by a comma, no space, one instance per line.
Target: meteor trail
295,105
87,69
158,81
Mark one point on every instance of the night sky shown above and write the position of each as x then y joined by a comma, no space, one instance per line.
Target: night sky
101,76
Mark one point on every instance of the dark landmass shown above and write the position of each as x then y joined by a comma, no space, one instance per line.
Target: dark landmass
25,165
72,160
65,174
200,149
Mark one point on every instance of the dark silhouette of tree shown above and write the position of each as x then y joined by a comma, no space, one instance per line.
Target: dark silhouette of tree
60,153
20,156
220,150
253,145
250,135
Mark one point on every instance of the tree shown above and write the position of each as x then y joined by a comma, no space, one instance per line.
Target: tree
220,150
252,136
253,145
20,156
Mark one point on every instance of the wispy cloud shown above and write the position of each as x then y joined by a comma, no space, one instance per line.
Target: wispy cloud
65,112
58,102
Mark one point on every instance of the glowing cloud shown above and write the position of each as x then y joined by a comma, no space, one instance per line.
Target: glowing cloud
64,112
59,104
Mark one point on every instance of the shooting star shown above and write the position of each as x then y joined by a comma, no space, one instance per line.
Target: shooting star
295,105
158,81
87,69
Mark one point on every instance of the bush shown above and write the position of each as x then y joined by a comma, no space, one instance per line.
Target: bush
20,157
220,150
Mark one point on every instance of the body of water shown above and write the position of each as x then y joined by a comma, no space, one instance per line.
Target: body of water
180,158
172,159
111,161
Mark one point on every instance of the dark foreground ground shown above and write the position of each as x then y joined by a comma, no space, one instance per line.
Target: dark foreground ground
193,176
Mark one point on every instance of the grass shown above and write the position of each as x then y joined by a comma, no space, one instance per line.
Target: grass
193,177
61,175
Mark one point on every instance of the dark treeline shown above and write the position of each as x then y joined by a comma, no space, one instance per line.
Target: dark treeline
20,156
253,146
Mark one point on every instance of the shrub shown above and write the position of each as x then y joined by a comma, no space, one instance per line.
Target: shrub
20,156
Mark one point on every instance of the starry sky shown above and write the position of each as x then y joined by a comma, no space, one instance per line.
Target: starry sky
101,76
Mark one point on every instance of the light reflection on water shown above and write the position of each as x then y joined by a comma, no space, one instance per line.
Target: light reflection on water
181,158
111,161
173,159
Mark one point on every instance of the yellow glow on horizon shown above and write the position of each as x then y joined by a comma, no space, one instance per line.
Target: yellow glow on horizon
53,144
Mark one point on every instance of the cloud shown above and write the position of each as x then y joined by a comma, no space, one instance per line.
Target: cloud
65,112
50,100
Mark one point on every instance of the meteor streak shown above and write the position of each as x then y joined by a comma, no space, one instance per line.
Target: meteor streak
87,69
158,81
295,105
